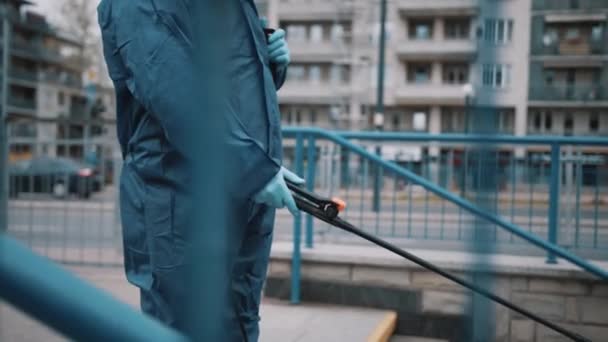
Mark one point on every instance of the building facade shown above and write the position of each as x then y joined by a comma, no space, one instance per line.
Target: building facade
568,92
536,66
43,90
432,62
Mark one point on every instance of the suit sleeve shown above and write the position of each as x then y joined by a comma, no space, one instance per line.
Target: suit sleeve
156,51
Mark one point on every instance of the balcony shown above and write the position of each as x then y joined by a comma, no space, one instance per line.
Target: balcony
437,49
325,51
36,51
566,5
430,93
313,92
22,106
585,48
316,10
438,7
61,79
23,76
576,94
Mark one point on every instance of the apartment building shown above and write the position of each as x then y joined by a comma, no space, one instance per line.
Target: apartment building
432,63
568,92
42,75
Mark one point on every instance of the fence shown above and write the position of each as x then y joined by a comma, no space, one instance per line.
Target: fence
555,188
78,223
62,199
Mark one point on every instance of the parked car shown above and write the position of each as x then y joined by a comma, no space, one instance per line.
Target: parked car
59,177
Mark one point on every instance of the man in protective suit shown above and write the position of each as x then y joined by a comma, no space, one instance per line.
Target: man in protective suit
148,46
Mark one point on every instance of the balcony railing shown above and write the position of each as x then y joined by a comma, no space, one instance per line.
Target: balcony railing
316,10
36,50
586,93
22,103
321,51
24,75
63,79
417,7
313,92
592,47
424,93
539,5
444,49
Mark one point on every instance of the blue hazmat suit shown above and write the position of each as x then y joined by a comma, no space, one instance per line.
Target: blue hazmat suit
147,50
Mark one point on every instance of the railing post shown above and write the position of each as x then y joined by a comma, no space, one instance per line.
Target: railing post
554,199
297,232
4,150
310,183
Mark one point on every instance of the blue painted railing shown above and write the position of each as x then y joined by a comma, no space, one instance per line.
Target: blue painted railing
67,304
549,243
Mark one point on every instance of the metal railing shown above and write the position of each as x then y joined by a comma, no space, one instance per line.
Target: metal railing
583,93
22,103
591,47
551,197
63,196
412,207
539,5
72,307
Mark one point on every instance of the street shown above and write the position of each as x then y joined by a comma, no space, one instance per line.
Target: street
71,224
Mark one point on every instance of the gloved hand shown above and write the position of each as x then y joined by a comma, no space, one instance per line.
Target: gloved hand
276,194
278,50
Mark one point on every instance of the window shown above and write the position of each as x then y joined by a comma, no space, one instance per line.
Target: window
335,74
568,125
396,122
337,33
498,31
457,28
537,122
298,116
314,73
496,75
296,33
61,98
597,33
455,73
572,34
316,33
296,72
421,29
313,116
339,74
548,122
594,123
419,72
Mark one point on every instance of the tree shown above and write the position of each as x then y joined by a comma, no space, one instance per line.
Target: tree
80,21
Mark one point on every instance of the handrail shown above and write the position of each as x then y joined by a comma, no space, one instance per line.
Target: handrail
340,139
451,138
81,312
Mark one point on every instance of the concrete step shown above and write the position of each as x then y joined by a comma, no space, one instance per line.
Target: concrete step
283,322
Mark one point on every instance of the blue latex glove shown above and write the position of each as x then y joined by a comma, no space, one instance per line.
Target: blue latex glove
278,51
276,194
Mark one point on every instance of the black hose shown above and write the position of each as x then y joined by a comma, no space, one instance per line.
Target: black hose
339,223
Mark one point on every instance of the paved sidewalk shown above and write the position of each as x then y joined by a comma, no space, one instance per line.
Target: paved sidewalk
281,322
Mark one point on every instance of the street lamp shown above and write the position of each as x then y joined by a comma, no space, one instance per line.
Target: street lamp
469,93
379,115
